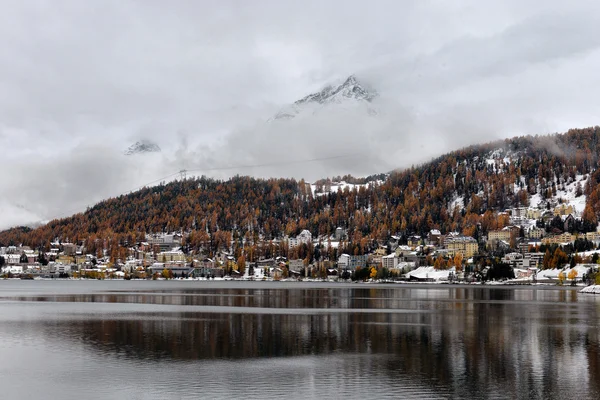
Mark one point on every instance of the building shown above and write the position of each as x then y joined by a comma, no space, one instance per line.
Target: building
518,216
390,261
414,240
375,257
69,249
515,260
171,256
558,239
563,209
305,237
176,270
164,241
593,237
533,213
535,233
464,245
340,233
500,235
433,237
352,262
296,265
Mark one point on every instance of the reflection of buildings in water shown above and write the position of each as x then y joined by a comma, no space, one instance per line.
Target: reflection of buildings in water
524,339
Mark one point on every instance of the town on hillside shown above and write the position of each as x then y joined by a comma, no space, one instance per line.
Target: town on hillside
541,245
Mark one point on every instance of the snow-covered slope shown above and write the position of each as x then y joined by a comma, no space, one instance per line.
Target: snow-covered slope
332,187
569,191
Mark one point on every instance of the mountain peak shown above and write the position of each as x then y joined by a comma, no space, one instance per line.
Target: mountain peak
142,146
349,90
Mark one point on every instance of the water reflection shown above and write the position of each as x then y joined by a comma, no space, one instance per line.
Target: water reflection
455,342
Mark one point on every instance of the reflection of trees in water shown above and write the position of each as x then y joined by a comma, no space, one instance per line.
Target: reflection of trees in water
481,347
512,341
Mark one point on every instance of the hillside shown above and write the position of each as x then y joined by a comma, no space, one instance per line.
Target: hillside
460,191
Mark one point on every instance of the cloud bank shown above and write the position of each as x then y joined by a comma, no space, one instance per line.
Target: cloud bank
80,82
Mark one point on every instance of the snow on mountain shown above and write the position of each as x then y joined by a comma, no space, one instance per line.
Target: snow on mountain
142,146
333,187
351,91
568,196
569,192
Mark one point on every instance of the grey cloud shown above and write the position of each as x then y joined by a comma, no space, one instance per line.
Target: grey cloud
81,81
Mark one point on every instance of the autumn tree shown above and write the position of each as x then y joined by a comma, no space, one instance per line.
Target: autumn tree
373,273
572,275
561,277
457,261
241,264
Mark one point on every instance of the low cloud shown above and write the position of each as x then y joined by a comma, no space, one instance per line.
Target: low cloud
80,83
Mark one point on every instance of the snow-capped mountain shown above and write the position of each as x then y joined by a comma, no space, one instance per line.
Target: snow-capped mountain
348,92
142,146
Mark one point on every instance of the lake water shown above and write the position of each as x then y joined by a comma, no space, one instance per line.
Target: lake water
264,340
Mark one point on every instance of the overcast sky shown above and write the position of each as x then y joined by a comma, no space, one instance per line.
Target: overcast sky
82,80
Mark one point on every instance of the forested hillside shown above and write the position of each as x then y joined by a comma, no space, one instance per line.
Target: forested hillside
460,191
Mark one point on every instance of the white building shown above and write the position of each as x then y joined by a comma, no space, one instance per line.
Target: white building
305,237
352,262
390,261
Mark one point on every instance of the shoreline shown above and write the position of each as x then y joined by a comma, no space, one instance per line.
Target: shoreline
248,284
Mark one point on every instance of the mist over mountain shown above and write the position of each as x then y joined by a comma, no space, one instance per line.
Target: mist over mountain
368,89
141,147
467,190
350,92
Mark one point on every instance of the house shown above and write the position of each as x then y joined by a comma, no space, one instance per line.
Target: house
375,257
414,240
69,249
393,242
296,265
568,222
563,209
433,237
535,233
547,216
340,233
533,213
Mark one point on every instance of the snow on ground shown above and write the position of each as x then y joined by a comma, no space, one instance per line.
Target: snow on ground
456,201
553,273
588,253
568,195
429,273
316,189
591,289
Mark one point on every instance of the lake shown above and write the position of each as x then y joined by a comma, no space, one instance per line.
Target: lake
69,339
